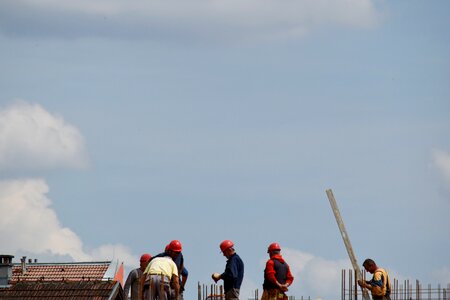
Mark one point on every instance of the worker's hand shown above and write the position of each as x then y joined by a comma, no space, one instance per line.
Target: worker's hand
284,287
215,277
362,283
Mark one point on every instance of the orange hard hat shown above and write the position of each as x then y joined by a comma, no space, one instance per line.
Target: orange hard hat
273,247
226,245
145,257
175,246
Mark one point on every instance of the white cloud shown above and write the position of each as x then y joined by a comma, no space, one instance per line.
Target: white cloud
441,160
213,19
33,139
29,224
315,276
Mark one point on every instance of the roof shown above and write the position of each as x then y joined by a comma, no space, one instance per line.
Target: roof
76,271
52,290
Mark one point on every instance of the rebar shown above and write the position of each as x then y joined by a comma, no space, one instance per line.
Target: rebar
404,291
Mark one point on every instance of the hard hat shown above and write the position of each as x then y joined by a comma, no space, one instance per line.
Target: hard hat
273,247
226,245
175,246
167,248
145,257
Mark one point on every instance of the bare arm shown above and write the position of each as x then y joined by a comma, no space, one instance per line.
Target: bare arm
175,284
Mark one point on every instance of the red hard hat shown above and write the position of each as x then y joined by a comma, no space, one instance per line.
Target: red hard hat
273,247
226,245
145,257
175,246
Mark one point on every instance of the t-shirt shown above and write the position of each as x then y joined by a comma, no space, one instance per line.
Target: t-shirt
162,266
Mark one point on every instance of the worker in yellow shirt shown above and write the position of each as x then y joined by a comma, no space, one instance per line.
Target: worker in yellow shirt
380,284
160,280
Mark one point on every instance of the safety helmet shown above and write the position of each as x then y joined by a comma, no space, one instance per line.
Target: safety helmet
175,246
226,245
273,247
145,257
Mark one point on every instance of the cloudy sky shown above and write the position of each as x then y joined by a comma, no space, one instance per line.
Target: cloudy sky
124,125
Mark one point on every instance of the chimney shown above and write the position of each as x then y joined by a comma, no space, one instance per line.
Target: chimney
23,264
5,269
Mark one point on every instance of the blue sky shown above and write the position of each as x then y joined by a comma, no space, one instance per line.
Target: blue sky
126,125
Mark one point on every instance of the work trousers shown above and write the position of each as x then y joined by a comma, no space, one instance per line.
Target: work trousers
232,294
159,288
386,297
273,294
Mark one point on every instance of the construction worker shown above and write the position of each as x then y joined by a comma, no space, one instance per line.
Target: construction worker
380,284
134,277
173,249
277,275
160,280
234,271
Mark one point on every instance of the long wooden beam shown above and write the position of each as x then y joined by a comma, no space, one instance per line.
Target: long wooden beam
346,239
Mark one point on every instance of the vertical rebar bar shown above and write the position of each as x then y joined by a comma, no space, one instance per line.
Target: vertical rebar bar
350,284
417,290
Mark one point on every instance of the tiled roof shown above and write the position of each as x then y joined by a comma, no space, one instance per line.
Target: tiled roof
81,290
60,271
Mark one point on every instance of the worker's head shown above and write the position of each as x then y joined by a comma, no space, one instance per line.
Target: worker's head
273,249
227,248
145,259
370,265
174,249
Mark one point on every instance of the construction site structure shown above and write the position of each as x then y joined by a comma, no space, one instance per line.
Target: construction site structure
210,292
401,290
216,292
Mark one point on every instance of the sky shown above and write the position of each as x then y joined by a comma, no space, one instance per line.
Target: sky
125,125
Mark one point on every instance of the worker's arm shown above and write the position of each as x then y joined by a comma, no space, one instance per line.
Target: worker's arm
270,272
289,277
126,288
184,277
175,284
141,286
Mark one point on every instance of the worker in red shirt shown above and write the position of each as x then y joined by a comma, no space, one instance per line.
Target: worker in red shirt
277,275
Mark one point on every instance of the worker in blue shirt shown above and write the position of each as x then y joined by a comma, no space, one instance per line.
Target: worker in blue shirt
234,271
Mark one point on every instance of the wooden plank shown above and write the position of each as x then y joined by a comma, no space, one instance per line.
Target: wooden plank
346,239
